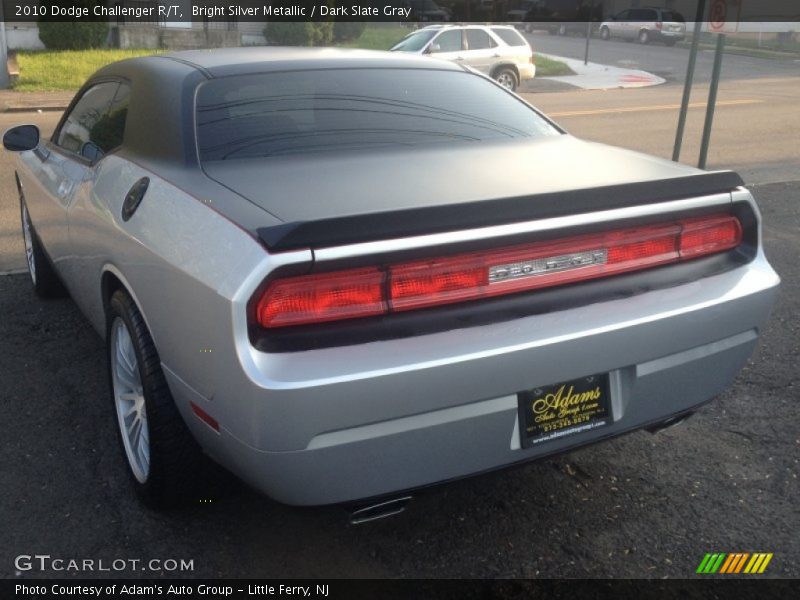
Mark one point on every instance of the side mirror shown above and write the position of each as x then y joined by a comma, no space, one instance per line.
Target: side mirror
91,151
21,138
434,48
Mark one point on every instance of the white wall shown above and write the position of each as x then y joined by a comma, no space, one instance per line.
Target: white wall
23,36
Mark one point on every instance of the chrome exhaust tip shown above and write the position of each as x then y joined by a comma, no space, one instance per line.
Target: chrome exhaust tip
669,423
379,510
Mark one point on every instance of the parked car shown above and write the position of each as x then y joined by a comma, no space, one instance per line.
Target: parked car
498,51
427,10
348,274
646,25
560,17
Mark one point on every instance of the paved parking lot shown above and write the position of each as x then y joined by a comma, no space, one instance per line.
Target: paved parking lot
638,506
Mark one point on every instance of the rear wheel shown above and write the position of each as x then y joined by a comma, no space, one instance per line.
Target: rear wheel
562,29
44,278
163,458
507,78
644,36
671,42
605,34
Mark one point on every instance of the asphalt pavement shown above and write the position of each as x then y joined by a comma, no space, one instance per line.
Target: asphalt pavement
639,506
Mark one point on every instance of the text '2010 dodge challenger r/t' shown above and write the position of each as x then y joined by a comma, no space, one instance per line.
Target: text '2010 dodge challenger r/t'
345,274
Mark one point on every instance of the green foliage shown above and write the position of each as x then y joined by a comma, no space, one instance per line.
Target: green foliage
72,36
346,31
286,33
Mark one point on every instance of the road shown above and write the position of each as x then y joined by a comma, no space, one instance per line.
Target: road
669,63
638,506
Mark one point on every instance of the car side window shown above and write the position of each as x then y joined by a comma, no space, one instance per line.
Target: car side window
478,39
642,14
448,41
87,130
108,132
623,16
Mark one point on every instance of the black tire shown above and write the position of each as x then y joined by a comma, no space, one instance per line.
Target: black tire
671,43
175,458
45,280
507,77
605,34
644,37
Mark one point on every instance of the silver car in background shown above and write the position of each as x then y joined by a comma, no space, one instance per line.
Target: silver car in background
645,25
348,274
498,51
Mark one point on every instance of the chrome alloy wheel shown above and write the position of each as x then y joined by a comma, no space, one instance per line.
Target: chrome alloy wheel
506,79
129,400
28,235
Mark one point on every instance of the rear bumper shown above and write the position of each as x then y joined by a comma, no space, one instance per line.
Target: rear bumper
527,71
676,36
340,424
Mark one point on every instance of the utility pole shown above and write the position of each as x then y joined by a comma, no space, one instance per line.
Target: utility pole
712,101
4,81
588,33
687,86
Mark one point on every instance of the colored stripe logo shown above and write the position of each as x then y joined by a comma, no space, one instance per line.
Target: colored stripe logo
734,562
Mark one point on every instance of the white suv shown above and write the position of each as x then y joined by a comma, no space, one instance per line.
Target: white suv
645,25
499,51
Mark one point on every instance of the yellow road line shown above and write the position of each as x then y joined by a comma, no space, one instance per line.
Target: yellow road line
654,107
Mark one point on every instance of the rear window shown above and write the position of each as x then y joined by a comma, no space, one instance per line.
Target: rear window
510,36
671,17
272,114
415,41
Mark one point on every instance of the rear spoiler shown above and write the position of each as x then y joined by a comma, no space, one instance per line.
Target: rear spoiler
371,227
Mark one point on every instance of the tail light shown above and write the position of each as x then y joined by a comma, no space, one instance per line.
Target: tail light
355,293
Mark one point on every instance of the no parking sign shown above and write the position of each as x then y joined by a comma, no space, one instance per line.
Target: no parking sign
723,16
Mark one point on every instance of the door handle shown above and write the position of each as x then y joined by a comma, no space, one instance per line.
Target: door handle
64,188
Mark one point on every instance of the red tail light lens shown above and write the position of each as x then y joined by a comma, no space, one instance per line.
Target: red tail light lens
375,291
319,298
709,235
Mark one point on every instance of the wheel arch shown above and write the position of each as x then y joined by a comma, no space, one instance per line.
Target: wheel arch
112,280
509,65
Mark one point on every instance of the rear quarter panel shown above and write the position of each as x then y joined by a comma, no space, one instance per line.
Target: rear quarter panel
179,259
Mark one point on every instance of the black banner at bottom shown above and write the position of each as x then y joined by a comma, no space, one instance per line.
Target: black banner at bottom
422,589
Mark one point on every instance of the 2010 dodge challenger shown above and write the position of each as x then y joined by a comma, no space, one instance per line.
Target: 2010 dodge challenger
344,274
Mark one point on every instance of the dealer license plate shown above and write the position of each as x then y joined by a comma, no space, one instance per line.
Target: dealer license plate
554,411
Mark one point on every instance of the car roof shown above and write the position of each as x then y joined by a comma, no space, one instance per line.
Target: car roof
159,121
222,62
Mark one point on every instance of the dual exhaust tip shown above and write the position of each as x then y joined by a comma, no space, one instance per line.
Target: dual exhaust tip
394,506
379,510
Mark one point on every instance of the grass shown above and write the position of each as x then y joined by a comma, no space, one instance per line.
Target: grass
547,67
379,38
65,70
44,71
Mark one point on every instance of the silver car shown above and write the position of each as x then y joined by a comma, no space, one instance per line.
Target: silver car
347,274
498,51
645,25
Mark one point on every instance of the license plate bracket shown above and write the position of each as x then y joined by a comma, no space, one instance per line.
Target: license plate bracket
553,411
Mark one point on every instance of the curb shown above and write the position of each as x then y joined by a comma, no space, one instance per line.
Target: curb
24,109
